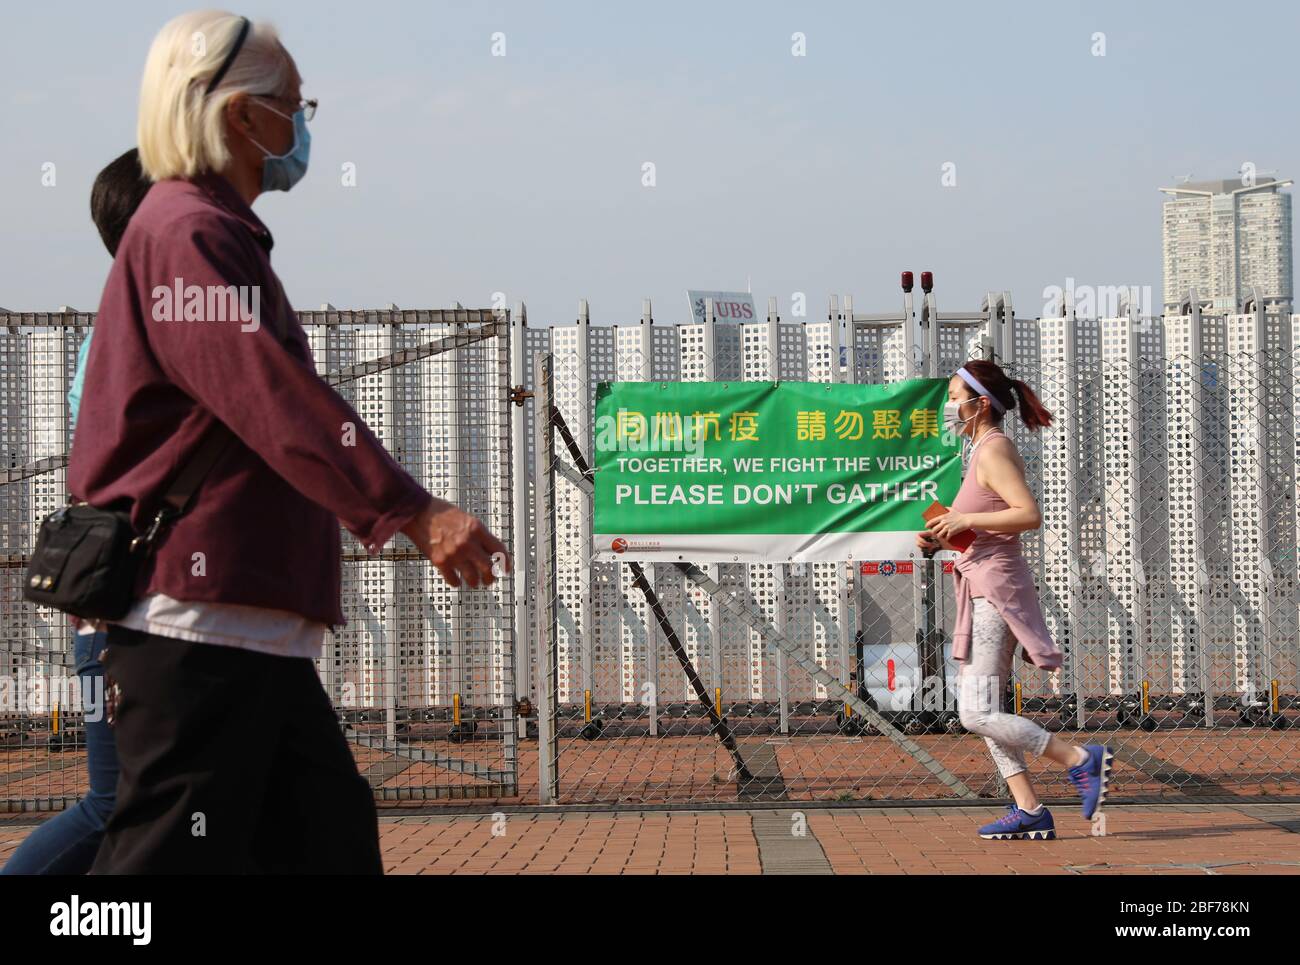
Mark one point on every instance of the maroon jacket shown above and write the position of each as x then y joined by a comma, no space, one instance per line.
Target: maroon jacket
266,517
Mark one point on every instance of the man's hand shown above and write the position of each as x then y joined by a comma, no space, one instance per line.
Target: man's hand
458,544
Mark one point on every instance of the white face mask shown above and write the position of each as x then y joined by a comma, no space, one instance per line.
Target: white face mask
952,420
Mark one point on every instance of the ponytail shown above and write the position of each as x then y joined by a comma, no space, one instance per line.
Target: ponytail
1010,393
1032,412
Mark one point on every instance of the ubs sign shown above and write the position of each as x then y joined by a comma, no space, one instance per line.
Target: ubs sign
727,306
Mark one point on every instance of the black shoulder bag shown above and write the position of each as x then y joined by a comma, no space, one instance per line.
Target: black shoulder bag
86,560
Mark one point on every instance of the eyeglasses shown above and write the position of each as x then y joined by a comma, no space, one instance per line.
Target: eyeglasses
308,107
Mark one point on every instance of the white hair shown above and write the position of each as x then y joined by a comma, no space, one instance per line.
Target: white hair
180,129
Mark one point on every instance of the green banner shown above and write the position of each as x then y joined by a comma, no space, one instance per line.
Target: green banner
715,472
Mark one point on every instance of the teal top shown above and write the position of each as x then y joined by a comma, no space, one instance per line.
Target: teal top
74,393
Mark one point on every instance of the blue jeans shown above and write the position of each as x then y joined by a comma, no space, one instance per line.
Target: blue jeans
67,844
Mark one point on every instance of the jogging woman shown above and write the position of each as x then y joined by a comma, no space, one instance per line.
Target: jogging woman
997,602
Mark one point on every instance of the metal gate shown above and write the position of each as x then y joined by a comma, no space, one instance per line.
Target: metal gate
1165,565
422,676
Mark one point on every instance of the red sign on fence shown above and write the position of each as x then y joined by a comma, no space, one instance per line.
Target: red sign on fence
887,567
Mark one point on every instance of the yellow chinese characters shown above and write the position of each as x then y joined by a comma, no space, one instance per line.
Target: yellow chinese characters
925,422
668,426
810,426
744,427
849,425
629,426
886,424
701,422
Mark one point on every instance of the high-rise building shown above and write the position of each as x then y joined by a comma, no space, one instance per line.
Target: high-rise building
1223,237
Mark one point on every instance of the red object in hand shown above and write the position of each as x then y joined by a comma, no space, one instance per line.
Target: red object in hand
959,541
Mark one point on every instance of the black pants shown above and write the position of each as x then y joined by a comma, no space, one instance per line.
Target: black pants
231,762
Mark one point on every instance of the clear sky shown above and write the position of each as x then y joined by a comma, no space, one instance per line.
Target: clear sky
817,174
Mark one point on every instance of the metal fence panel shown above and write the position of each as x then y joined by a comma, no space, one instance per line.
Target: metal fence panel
1165,563
422,676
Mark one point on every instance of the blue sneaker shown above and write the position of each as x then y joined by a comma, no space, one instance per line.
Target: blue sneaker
1092,778
1016,824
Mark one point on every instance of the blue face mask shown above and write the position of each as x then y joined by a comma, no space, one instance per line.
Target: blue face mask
280,172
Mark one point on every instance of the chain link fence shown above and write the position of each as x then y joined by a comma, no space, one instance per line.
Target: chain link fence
422,675
1165,566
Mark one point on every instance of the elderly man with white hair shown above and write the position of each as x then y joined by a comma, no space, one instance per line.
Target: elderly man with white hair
231,756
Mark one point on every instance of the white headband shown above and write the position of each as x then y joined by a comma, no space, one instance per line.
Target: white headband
974,383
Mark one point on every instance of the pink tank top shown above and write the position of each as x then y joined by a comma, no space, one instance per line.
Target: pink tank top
974,498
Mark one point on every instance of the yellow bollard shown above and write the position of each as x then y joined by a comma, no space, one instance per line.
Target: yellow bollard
455,709
1273,701
717,701
586,702
1146,698
1018,700
56,718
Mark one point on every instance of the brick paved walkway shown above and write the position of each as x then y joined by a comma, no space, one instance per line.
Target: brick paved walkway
1187,839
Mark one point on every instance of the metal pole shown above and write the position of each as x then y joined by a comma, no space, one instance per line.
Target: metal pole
844,571
931,663
646,374
505,661
548,697
1137,620
1197,414
714,651
780,571
719,723
587,633
1072,436
388,608
1260,638
519,494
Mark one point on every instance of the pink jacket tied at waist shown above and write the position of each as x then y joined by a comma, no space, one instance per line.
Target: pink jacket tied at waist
1001,574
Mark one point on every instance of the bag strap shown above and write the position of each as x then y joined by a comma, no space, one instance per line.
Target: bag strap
186,483
180,492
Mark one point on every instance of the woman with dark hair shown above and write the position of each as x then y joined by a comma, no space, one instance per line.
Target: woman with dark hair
67,844
116,193
997,602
